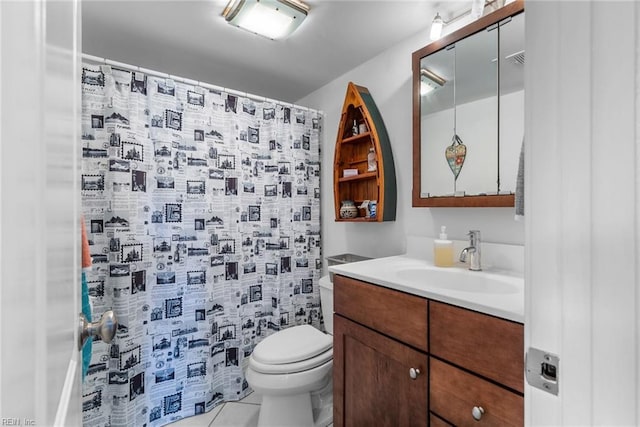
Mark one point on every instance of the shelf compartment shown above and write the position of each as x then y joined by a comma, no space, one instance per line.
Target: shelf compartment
366,175
357,138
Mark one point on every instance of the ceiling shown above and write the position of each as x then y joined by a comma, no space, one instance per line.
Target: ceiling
191,39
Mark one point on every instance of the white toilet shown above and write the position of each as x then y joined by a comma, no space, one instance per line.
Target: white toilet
292,371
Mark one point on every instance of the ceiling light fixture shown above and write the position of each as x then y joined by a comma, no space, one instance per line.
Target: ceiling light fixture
436,27
429,81
274,19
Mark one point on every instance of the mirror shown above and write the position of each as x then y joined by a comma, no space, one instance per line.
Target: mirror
468,113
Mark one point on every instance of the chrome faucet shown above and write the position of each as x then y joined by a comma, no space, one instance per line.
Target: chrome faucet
473,250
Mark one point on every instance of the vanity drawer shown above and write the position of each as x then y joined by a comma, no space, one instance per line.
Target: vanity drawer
435,421
453,393
393,313
487,345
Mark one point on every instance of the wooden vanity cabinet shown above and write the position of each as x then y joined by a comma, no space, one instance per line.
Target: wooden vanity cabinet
404,360
379,345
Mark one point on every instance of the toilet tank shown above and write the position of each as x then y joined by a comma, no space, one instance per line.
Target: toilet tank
326,302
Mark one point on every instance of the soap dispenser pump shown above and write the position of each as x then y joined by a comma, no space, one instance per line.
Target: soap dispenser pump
443,250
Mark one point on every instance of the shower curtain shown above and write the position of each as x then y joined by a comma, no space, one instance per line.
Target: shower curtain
202,212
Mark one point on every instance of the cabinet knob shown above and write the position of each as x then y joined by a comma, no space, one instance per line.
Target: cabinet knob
414,372
477,412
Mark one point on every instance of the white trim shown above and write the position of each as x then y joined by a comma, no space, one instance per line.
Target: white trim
1,208
67,392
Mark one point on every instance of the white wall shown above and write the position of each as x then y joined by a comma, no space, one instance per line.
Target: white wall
388,78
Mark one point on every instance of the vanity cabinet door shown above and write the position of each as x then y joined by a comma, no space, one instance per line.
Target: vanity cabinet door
373,381
454,394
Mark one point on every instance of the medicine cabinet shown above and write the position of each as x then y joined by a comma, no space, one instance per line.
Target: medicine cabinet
468,113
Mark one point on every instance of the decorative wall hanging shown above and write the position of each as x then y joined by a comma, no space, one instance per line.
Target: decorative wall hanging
455,154
457,151
203,220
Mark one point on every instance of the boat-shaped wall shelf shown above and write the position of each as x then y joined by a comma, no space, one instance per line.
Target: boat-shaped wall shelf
364,176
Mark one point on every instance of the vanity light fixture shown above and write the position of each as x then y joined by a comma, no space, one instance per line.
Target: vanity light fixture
274,19
475,12
436,27
429,81
477,8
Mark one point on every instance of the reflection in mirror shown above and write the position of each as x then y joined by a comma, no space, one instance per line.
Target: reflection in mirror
437,116
469,113
466,106
511,99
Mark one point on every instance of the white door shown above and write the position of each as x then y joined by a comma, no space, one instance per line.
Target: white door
582,213
39,212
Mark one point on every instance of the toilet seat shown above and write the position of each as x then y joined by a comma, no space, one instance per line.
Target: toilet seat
291,350
294,367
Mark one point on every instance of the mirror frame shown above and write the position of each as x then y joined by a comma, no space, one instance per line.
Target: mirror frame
500,200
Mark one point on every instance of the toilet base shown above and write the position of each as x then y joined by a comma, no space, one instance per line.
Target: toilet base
300,410
322,402
286,411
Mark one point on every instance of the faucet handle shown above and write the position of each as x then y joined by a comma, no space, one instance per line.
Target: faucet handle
474,236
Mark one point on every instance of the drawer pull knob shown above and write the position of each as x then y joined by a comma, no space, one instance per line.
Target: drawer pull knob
414,372
477,412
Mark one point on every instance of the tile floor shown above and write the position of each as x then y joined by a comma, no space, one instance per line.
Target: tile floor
243,413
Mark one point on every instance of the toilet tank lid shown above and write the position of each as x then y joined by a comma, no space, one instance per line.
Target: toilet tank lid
292,345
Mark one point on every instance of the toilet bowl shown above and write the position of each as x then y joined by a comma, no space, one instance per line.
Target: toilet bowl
292,371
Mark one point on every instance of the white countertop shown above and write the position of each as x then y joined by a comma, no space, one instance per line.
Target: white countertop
388,272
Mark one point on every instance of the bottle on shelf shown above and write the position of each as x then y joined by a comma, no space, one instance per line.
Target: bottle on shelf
372,164
354,129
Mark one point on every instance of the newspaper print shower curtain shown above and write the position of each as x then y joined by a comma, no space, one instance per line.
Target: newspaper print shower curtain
202,209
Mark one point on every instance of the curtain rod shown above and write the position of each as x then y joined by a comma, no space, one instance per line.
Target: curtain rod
130,67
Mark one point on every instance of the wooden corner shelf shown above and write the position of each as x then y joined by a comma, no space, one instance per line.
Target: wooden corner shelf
351,151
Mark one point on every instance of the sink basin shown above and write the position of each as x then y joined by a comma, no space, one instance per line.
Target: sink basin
461,280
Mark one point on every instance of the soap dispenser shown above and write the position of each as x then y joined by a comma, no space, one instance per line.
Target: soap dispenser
443,250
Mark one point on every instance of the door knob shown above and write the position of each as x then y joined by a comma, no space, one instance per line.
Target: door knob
414,372
477,412
105,329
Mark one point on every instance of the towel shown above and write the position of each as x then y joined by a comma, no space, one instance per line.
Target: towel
519,197
86,310
86,305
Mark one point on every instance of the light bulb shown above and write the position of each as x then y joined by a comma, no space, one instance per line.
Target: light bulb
477,8
436,27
